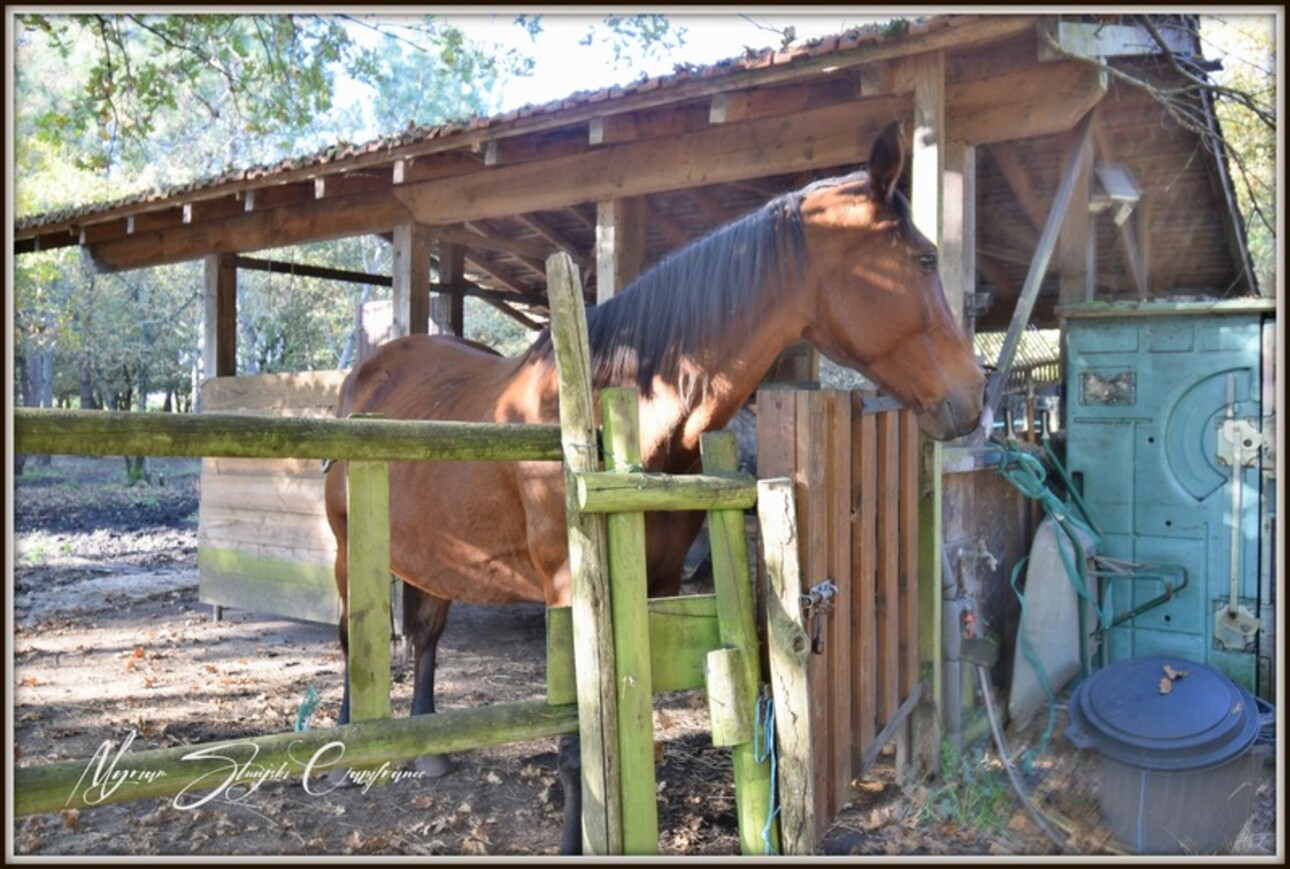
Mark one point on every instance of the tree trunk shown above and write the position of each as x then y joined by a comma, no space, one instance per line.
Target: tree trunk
137,472
88,400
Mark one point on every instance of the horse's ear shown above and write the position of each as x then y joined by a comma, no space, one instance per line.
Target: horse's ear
886,162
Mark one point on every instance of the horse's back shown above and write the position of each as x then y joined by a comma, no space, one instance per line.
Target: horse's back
427,377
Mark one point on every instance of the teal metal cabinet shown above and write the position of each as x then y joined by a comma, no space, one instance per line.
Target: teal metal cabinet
1162,399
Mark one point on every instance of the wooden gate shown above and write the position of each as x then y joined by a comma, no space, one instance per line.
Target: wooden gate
853,459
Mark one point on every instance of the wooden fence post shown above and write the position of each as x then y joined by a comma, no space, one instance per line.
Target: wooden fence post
789,650
369,590
628,598
593,652
737,624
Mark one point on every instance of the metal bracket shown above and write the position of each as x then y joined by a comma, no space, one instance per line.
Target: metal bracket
817,603
1239,440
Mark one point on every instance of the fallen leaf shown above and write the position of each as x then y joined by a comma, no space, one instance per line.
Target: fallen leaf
139,652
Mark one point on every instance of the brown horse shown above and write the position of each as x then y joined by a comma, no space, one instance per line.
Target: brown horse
838,263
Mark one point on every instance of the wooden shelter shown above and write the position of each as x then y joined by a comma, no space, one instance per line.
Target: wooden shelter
1046,176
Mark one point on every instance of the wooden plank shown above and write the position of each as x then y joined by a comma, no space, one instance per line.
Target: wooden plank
864,601
368,487
789,651
730,709
54,787
301,393
737,624
270,552
279,528
888,580
602,827
268,494
837,462
813,534
114,433
306,221
910,441
776,432
291,588
812,139
681,631
625,535
628,492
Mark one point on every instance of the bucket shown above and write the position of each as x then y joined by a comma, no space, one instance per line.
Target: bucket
1177,771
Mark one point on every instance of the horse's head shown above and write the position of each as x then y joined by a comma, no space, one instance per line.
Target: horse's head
879,305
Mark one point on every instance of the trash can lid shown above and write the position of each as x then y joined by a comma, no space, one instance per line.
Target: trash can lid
1163,713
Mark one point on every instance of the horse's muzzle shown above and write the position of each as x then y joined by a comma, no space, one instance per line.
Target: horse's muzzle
953,417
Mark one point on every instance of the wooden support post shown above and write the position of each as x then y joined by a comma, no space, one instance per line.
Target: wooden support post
602,823
628,598
921,748
620,244
737,624
1077,238
369,590
958,230
411,280
219,359
1039,265
789,651
452,273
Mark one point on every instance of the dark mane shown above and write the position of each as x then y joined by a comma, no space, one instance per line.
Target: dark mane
701,296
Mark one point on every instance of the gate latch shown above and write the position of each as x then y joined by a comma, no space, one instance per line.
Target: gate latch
817,603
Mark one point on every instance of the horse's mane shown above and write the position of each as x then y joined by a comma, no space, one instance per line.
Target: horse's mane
700,296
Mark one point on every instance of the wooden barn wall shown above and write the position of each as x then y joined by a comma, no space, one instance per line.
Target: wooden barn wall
263,543
855,477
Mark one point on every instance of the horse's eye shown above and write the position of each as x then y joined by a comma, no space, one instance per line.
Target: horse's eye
928,261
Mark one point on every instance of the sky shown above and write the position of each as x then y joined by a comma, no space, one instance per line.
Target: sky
563,65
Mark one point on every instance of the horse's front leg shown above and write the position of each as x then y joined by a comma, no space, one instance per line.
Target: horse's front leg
424,618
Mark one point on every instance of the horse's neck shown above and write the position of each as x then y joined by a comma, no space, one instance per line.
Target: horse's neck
677,415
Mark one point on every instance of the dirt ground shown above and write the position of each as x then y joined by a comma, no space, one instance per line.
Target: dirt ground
108,639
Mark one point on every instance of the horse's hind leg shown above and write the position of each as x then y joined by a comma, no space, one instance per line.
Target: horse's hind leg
571,780
424,618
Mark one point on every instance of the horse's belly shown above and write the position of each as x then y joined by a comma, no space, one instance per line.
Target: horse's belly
458,531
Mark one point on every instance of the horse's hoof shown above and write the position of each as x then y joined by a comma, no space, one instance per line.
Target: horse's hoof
434,765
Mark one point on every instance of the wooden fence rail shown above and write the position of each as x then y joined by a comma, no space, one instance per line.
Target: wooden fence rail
116,433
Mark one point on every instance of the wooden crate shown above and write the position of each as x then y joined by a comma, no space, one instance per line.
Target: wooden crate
263,543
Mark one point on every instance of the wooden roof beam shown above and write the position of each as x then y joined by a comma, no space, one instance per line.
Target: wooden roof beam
716,154
279,227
